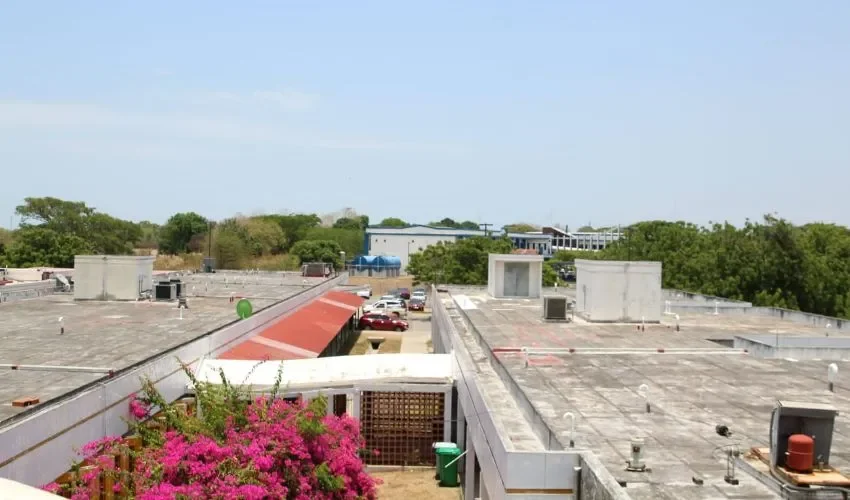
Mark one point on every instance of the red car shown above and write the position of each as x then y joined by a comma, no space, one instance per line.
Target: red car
377,321
416,305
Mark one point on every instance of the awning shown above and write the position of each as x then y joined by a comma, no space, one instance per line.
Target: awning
332,372
303,334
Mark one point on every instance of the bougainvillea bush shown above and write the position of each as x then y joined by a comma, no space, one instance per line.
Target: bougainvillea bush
234,447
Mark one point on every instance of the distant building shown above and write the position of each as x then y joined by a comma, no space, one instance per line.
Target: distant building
564,240
404,241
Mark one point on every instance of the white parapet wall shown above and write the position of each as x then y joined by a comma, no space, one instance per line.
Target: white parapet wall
618,291
512,275
112,277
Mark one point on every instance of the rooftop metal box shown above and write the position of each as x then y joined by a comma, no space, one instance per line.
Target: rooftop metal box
812,419
112,277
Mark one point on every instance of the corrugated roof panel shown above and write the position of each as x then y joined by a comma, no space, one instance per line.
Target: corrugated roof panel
304,333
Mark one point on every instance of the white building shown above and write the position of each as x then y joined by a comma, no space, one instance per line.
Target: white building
617,291
513,275
112,277
404,241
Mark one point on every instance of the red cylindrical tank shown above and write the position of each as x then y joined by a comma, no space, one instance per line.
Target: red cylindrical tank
800,456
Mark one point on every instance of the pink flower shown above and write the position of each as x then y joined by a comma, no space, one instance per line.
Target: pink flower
137,409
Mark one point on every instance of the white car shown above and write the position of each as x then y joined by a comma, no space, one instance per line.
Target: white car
419,294
366,293
385,305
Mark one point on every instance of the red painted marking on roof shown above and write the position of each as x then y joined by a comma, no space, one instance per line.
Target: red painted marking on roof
547,360
308,330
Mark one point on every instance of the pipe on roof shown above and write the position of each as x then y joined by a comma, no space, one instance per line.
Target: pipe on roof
57,368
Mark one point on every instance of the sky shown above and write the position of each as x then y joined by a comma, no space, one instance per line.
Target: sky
601,113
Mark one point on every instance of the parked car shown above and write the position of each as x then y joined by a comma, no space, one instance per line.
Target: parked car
419,293
366,293
385,305
416,304
404,293
388,297
380,321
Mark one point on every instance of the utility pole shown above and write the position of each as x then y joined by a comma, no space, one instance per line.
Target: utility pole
485,227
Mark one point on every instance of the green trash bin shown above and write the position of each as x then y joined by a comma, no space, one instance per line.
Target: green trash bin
448,473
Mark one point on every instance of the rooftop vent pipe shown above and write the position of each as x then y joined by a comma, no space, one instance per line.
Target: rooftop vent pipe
832,376
572,418
643,390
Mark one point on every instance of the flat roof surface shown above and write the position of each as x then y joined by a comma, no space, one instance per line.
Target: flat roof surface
116,335
689,393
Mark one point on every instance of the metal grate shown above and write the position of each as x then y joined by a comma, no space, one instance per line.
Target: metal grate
401,426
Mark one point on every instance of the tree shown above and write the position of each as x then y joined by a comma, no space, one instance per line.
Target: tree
295,226
463,262
179,231
55,214
318,251
6,237
393,222
229,246
36,246
520,227
350,240
346,223
263,237
66,223
150,235
448,222
111,236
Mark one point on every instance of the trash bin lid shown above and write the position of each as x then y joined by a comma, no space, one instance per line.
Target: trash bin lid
454,451
443,444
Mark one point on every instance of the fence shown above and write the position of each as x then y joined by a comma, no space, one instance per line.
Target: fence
402,426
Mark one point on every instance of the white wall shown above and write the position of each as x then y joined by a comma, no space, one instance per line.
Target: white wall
397,245
618,291
111,277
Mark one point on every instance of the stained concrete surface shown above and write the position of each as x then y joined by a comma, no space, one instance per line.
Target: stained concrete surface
689,394
115,335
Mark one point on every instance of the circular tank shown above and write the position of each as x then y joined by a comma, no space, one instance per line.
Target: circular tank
800,456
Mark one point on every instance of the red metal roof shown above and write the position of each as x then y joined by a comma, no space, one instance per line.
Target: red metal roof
303,334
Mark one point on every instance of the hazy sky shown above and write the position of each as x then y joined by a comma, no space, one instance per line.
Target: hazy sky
564,111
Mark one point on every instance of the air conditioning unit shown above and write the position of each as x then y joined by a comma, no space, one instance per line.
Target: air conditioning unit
555,308
792,423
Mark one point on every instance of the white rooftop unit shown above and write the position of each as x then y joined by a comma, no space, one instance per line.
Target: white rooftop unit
618,291
112,277
512,275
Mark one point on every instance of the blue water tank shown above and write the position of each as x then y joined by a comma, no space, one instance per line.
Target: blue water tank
388,261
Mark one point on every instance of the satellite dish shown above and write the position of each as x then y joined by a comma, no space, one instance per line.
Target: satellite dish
244,309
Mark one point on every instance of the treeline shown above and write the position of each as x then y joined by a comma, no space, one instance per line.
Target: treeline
769,263
52,231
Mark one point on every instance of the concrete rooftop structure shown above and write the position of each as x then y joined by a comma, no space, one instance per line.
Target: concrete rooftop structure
115,335
694,381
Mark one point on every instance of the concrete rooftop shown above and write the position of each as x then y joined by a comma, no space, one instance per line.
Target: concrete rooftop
689,392
116,335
